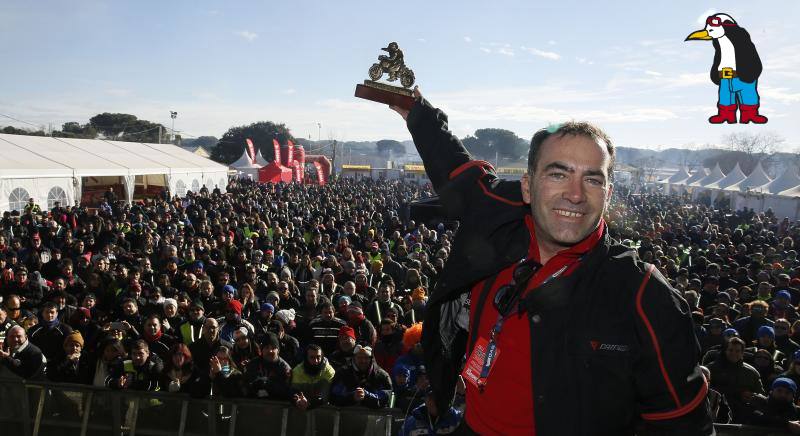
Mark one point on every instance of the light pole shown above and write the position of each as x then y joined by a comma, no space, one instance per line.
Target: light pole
173,115
319,132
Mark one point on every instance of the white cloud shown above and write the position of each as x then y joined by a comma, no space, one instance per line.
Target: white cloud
653,73
783,95
289,91
467,39
505,51
485,50
422,40
701,19
246,34
119,92
541,53
551,42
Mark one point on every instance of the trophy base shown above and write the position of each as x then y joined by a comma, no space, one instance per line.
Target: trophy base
387,94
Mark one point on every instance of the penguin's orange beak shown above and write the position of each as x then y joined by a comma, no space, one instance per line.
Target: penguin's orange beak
699,35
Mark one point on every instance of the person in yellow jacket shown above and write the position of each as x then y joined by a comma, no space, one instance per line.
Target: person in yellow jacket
311,380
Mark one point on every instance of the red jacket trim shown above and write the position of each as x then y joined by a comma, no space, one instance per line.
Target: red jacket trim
683,410
467,165
497,197
654,338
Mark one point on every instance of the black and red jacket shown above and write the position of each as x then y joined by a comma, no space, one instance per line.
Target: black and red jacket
612,345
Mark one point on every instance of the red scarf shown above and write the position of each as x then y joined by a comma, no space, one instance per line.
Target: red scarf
153,338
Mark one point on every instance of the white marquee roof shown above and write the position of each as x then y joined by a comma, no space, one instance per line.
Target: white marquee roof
42,156
755,180
784,182
698,175
715,176
735,176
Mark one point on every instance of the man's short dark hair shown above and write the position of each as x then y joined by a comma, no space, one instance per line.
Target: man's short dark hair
576,128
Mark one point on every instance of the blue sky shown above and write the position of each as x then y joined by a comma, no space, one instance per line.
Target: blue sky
517,65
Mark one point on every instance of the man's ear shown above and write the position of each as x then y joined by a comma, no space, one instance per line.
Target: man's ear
610,192
525,186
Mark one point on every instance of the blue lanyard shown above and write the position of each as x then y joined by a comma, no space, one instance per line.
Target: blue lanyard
491,347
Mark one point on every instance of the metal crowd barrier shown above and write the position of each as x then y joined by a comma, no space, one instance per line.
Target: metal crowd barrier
34,408
38,408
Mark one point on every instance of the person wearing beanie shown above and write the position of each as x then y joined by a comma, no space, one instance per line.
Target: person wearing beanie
261,319
49,335
778,410
793,371
172,319
376,310
268,376
290,346
234,321
346,343
192,328
365,330
75,366
363,383
781,307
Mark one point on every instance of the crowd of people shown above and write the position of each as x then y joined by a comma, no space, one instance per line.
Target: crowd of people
315,295
312,295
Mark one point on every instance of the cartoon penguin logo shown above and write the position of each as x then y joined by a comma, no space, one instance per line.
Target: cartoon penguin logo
735,70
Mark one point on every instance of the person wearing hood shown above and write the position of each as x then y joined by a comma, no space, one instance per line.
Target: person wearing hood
171,318
268,376
311,379
389,346
234,321
778,410
75,368
191,330
49,335
81,321
735,379
363,383
364,329
426,419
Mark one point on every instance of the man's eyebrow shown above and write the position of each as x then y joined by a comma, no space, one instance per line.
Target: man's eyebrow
569,169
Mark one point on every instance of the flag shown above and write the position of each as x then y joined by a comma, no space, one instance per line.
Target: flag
320,173
291,155
277,148
252,150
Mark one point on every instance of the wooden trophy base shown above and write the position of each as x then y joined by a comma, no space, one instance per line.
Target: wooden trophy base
387,94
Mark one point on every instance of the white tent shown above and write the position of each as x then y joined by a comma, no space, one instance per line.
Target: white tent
698,175
785,181
674,181
260,159
58,169
757,178
735,176
246,167
700,186
746,194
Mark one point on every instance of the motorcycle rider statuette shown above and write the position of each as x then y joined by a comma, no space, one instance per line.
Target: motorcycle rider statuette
394,67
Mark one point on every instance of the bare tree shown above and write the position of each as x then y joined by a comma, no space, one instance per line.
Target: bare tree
753,146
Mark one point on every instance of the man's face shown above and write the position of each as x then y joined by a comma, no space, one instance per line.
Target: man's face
72,348
152,326
210,329
346,343
139,356
15,338
270,353
241,340
734,353
385,292
49,314
363,361
327,313
314,357
568,190
782,394
196,313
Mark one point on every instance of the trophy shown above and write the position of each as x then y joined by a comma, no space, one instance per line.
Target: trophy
393,66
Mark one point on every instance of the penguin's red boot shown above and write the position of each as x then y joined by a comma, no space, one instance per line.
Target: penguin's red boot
727,114
750,113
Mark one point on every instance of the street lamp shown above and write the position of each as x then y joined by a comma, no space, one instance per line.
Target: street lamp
319,132
173,115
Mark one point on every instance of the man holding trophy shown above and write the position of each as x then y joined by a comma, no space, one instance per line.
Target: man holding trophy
555,328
